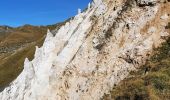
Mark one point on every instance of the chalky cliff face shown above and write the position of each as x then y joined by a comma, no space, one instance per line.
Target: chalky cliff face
93,52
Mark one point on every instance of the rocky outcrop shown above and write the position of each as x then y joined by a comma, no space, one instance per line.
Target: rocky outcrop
92,52
142,3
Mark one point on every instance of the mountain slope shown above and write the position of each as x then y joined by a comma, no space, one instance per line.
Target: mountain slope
93,52
17,44
150,82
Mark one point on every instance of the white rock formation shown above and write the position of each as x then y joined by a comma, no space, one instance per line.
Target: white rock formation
89,54
79,11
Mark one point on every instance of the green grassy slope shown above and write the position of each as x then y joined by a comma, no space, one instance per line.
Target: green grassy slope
12,65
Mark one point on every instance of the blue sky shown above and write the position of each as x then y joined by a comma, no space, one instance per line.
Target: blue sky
38,12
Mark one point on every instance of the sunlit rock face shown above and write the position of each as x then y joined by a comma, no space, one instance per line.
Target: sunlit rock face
93,52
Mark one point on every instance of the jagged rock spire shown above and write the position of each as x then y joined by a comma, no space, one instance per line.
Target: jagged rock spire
89,5
79,11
